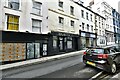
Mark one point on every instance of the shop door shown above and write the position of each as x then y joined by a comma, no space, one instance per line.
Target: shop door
61,44
37,50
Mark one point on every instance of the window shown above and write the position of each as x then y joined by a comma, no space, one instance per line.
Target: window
12,22
91,16
36,26
13,4
83,26
71,10
61,21
82,13
91,28
87,27
54,41
72,23
87,15
61,4
37,8
69,43
100,32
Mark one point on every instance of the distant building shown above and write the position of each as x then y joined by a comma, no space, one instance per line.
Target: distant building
116,23
105,10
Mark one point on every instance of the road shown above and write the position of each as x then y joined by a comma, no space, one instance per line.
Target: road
71,67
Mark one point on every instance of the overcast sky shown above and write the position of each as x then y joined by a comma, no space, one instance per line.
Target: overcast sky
113,3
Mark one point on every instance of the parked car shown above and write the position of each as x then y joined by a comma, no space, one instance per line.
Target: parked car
106,58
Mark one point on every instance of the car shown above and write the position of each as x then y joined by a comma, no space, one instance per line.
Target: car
105,58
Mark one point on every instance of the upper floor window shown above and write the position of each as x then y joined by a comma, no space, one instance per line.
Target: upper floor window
37,6
91,28
12,22
87,15
61,21
61,4
72,23
36,26
82,13
91,16
71,10
83,26
87,27
13,4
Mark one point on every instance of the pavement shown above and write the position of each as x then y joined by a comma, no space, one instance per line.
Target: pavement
44,59
40,60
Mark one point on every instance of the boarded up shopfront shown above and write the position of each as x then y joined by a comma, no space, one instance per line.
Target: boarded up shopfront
17,46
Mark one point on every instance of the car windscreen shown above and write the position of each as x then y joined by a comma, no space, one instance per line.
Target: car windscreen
97,51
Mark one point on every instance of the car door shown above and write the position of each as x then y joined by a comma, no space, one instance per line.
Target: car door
114,55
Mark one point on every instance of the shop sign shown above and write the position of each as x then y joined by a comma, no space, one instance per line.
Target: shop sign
82,34
92,35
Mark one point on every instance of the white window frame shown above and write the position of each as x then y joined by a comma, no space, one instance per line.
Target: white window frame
6,4
36,8
34,26
61,21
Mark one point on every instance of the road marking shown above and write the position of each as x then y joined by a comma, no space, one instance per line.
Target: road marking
96,75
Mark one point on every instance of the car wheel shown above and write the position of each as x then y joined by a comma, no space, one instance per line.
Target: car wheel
113,68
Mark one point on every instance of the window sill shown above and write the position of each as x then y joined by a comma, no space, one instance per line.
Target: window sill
13,9
36,14
61,10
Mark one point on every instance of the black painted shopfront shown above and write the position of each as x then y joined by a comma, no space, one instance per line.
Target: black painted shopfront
63,42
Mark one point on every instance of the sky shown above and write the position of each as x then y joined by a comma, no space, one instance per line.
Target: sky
112,3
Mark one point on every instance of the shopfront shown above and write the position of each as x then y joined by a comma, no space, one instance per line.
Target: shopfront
63,42
87,39
23,46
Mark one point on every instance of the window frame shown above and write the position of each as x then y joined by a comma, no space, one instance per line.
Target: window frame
38,9
61,21
71,10
8,16
60,4
72,23
11,2
40,26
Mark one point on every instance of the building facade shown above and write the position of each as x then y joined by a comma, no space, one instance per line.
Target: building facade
105,10
63,26
23,29
87,33
116,23
100,30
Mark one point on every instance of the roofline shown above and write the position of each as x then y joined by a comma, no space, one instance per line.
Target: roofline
88,9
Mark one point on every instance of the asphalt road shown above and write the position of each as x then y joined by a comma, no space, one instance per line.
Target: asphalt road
71,67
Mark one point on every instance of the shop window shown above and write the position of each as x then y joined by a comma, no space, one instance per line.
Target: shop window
12,22
30,50
36,26
37,6
69,43
54,42
13,4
